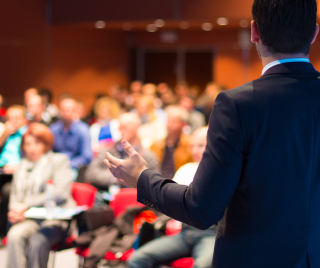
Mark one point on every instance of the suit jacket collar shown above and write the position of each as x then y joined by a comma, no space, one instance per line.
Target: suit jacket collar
292,68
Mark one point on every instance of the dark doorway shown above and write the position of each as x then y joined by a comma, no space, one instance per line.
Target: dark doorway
198,68
161,67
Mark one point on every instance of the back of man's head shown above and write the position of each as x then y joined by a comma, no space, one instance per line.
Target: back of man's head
286,26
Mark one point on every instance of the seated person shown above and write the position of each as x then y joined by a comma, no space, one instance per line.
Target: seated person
104,132
36,110
152,127
98,173
174,151
50,108
196,119
190,241
30,241
72,137
10,139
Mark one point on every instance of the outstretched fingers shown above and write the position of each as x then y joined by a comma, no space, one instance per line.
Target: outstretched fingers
113,169
113,160
128,148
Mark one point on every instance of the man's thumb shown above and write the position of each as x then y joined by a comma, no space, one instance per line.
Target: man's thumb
128,148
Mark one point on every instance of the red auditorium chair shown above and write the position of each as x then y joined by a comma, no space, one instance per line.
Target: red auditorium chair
83,195
125,198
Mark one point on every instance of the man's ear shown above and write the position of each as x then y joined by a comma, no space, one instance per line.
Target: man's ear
315,34
254,32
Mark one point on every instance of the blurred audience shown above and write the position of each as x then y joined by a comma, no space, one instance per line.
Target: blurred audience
105,131
30,241
182,90
152,128
190,242
136,87
98,173
80,114
10,139
50,108
149,89
134,95
174,150
30,92
36,111
196,119
168,97
72,137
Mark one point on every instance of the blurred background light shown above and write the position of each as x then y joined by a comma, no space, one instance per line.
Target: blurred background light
207,26
244,23
223,21
127,26
100,24
184,25
159,23
152,28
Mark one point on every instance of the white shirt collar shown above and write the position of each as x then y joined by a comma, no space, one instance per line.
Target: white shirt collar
277,62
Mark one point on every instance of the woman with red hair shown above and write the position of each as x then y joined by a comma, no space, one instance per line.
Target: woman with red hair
30,241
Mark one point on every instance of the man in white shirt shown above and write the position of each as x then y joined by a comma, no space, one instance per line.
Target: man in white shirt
190,241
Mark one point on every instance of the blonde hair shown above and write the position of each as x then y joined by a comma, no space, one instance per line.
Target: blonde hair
19,108
113,106
183,113
149,100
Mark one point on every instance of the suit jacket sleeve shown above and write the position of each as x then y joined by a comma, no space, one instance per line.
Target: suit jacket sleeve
202,204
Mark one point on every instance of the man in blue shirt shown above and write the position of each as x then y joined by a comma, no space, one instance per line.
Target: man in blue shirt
72,137
10,139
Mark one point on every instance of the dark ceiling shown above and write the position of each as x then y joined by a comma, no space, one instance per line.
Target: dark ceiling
76,11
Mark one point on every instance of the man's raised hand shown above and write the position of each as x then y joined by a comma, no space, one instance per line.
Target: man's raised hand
127,171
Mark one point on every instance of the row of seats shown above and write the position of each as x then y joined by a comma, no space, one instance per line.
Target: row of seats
84,194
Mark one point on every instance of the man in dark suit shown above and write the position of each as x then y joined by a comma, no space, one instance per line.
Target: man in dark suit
260,174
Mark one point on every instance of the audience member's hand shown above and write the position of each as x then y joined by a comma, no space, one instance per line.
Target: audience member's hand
127,171
9,168
8,130
16,213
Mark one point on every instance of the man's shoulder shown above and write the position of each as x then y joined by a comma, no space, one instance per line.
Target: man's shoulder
241,90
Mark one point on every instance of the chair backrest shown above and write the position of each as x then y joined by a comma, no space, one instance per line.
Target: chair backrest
83,194
126,197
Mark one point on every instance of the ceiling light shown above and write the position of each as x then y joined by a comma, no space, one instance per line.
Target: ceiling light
184,25
152,28
159,23
244,23
223,21
100,24
207,26
127,26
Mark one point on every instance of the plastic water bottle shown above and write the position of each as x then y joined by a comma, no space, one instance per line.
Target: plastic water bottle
50,204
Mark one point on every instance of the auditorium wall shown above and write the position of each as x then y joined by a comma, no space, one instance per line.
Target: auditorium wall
85,61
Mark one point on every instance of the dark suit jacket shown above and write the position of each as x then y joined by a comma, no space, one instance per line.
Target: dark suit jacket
259,176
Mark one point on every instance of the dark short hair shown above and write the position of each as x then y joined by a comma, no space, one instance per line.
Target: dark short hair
46,92
286,26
